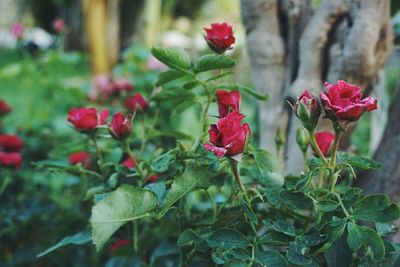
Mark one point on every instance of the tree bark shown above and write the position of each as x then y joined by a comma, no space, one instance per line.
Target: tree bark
292,50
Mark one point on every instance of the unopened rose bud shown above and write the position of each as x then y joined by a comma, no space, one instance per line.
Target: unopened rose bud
219,37
120,127
308,110
302,139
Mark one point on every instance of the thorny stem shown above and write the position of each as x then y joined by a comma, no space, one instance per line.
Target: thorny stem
242,190
332,165
342,205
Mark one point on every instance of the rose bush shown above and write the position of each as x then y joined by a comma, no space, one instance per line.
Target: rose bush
163,197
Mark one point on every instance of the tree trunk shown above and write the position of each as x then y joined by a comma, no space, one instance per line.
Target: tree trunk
293,48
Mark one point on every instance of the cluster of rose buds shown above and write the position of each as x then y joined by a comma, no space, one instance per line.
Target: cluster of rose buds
10,145
229,136
106,86
342,103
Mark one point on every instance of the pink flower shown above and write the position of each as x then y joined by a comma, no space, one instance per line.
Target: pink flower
129,163
219,37
59,25
81,157
324,141
227,101
228,137
122,84
343,102
12,160
136,103
120,127
17,30
87,119
10,143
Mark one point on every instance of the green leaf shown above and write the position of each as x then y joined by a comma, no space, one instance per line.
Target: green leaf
374,242
169,76
296,199
359,162
275,239
162,162
244,89
213,62
354,236
187,237
327,205
175,57
218,258
296,254
338,254
125,204
376,208
280,226
192,178
271,258
384,229
227,238
77,239
249,212
239,253
175,94
313,237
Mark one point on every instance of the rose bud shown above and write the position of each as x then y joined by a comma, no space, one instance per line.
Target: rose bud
121,84
228,137
219,37
87,119
307,109
58,25
153,178
120,127
10,143
11,160
17,30
302,139
116,245
129,163
4,108
136,103
81,157
343,102
227,101
325,142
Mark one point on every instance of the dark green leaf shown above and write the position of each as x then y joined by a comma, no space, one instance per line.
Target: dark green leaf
296,254
275,239
212,62
313,237
190,85
77,239
374,242
175,57
227,239
245,89
384,229
125,204
296,199
239,253
162,162
217,258
376,208
271,258
186,237
354,236
327,205
359,162
175,94
338,254
280,226
249,212
168,76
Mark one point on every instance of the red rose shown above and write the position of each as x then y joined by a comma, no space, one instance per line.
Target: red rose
325,142
129,163
116,245
136,102
153,178
307,109
4,108
219,37
227,101
343,101
121,84
120,126
10,143
86,119
79,158
228,137
59,25
11,160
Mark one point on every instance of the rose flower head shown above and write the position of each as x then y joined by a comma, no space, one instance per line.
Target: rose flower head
343,102
229,136
11,160
120,127
307,109
10,143
87,119
227,101
136,103
4,108
219,37
81,157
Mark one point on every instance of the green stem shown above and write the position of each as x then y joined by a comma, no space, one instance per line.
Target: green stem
135,236
242,190
132,157
98,153
342,205
214,205
332,165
